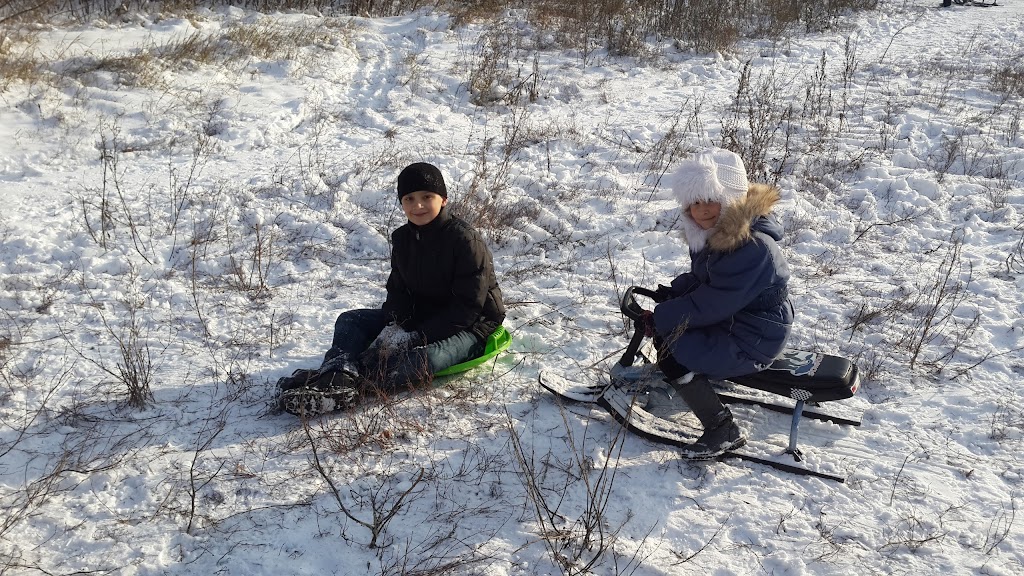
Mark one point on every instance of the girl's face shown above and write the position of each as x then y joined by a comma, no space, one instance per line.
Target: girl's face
705,214
422,207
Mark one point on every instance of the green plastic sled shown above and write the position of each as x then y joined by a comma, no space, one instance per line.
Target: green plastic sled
498,341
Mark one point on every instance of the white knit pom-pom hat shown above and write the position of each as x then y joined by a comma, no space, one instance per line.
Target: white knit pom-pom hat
712,175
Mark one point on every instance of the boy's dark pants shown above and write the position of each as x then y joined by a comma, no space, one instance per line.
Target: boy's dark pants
351,351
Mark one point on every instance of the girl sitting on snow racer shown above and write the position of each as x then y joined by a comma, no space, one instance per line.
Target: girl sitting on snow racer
730,315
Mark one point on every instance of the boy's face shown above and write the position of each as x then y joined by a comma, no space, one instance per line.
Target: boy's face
422,207
705,214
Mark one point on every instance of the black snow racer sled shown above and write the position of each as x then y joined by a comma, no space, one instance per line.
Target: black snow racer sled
805,378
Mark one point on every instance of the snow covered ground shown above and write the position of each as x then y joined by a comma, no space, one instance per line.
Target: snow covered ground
197,212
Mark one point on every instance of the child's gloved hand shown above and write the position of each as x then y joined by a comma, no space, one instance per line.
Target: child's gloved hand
647,322
391,340
393,336
662,293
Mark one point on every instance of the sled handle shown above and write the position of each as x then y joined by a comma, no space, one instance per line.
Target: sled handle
629,306
633,311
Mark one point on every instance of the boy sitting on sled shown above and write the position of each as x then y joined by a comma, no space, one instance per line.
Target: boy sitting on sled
729,315
443,301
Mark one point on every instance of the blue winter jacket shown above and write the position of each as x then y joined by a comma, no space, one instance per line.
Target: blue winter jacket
730,314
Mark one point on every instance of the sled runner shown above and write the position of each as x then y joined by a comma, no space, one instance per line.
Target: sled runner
806,378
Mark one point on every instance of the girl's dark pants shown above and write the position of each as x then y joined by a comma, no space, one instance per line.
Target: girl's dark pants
698,393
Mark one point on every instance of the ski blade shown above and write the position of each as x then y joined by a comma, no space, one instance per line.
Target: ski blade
783,466
624,408
570,390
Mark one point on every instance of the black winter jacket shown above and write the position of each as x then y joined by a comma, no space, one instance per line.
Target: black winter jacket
442,280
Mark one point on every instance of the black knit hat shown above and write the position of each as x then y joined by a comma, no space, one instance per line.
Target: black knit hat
419,177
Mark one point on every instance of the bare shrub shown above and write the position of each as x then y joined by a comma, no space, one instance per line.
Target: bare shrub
943,297
684,127
141,68
620,26
818,107
1008,79
1000,527
18,62
911,532
1011,130
820,16
374,176
574,25
41,10
52,470
577,544
906,215
623,27
923,325
241,42
492,214
17,10
376,8
377,492
252,260
123,334
999,181
893,107
483,203
112,211
758,124
385,495
6,343
181,184
133,366
236,45
952,148
1015,259
271,40
198,479
497,72
704,26
197,48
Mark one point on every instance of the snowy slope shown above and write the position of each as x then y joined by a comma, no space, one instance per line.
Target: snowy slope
211,215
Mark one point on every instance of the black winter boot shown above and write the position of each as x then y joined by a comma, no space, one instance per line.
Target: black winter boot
720,431
309,402
299,379
319,392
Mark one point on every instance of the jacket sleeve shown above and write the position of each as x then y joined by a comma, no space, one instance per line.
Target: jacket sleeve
736,280
469,290
684,284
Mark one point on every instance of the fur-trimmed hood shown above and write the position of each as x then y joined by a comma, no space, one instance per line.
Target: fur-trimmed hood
736,223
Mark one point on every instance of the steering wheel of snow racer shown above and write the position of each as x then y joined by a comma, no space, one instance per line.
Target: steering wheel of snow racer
632,309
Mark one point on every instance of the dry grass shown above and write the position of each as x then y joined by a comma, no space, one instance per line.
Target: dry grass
274,41
1008,81
148,65
18,62
620,26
